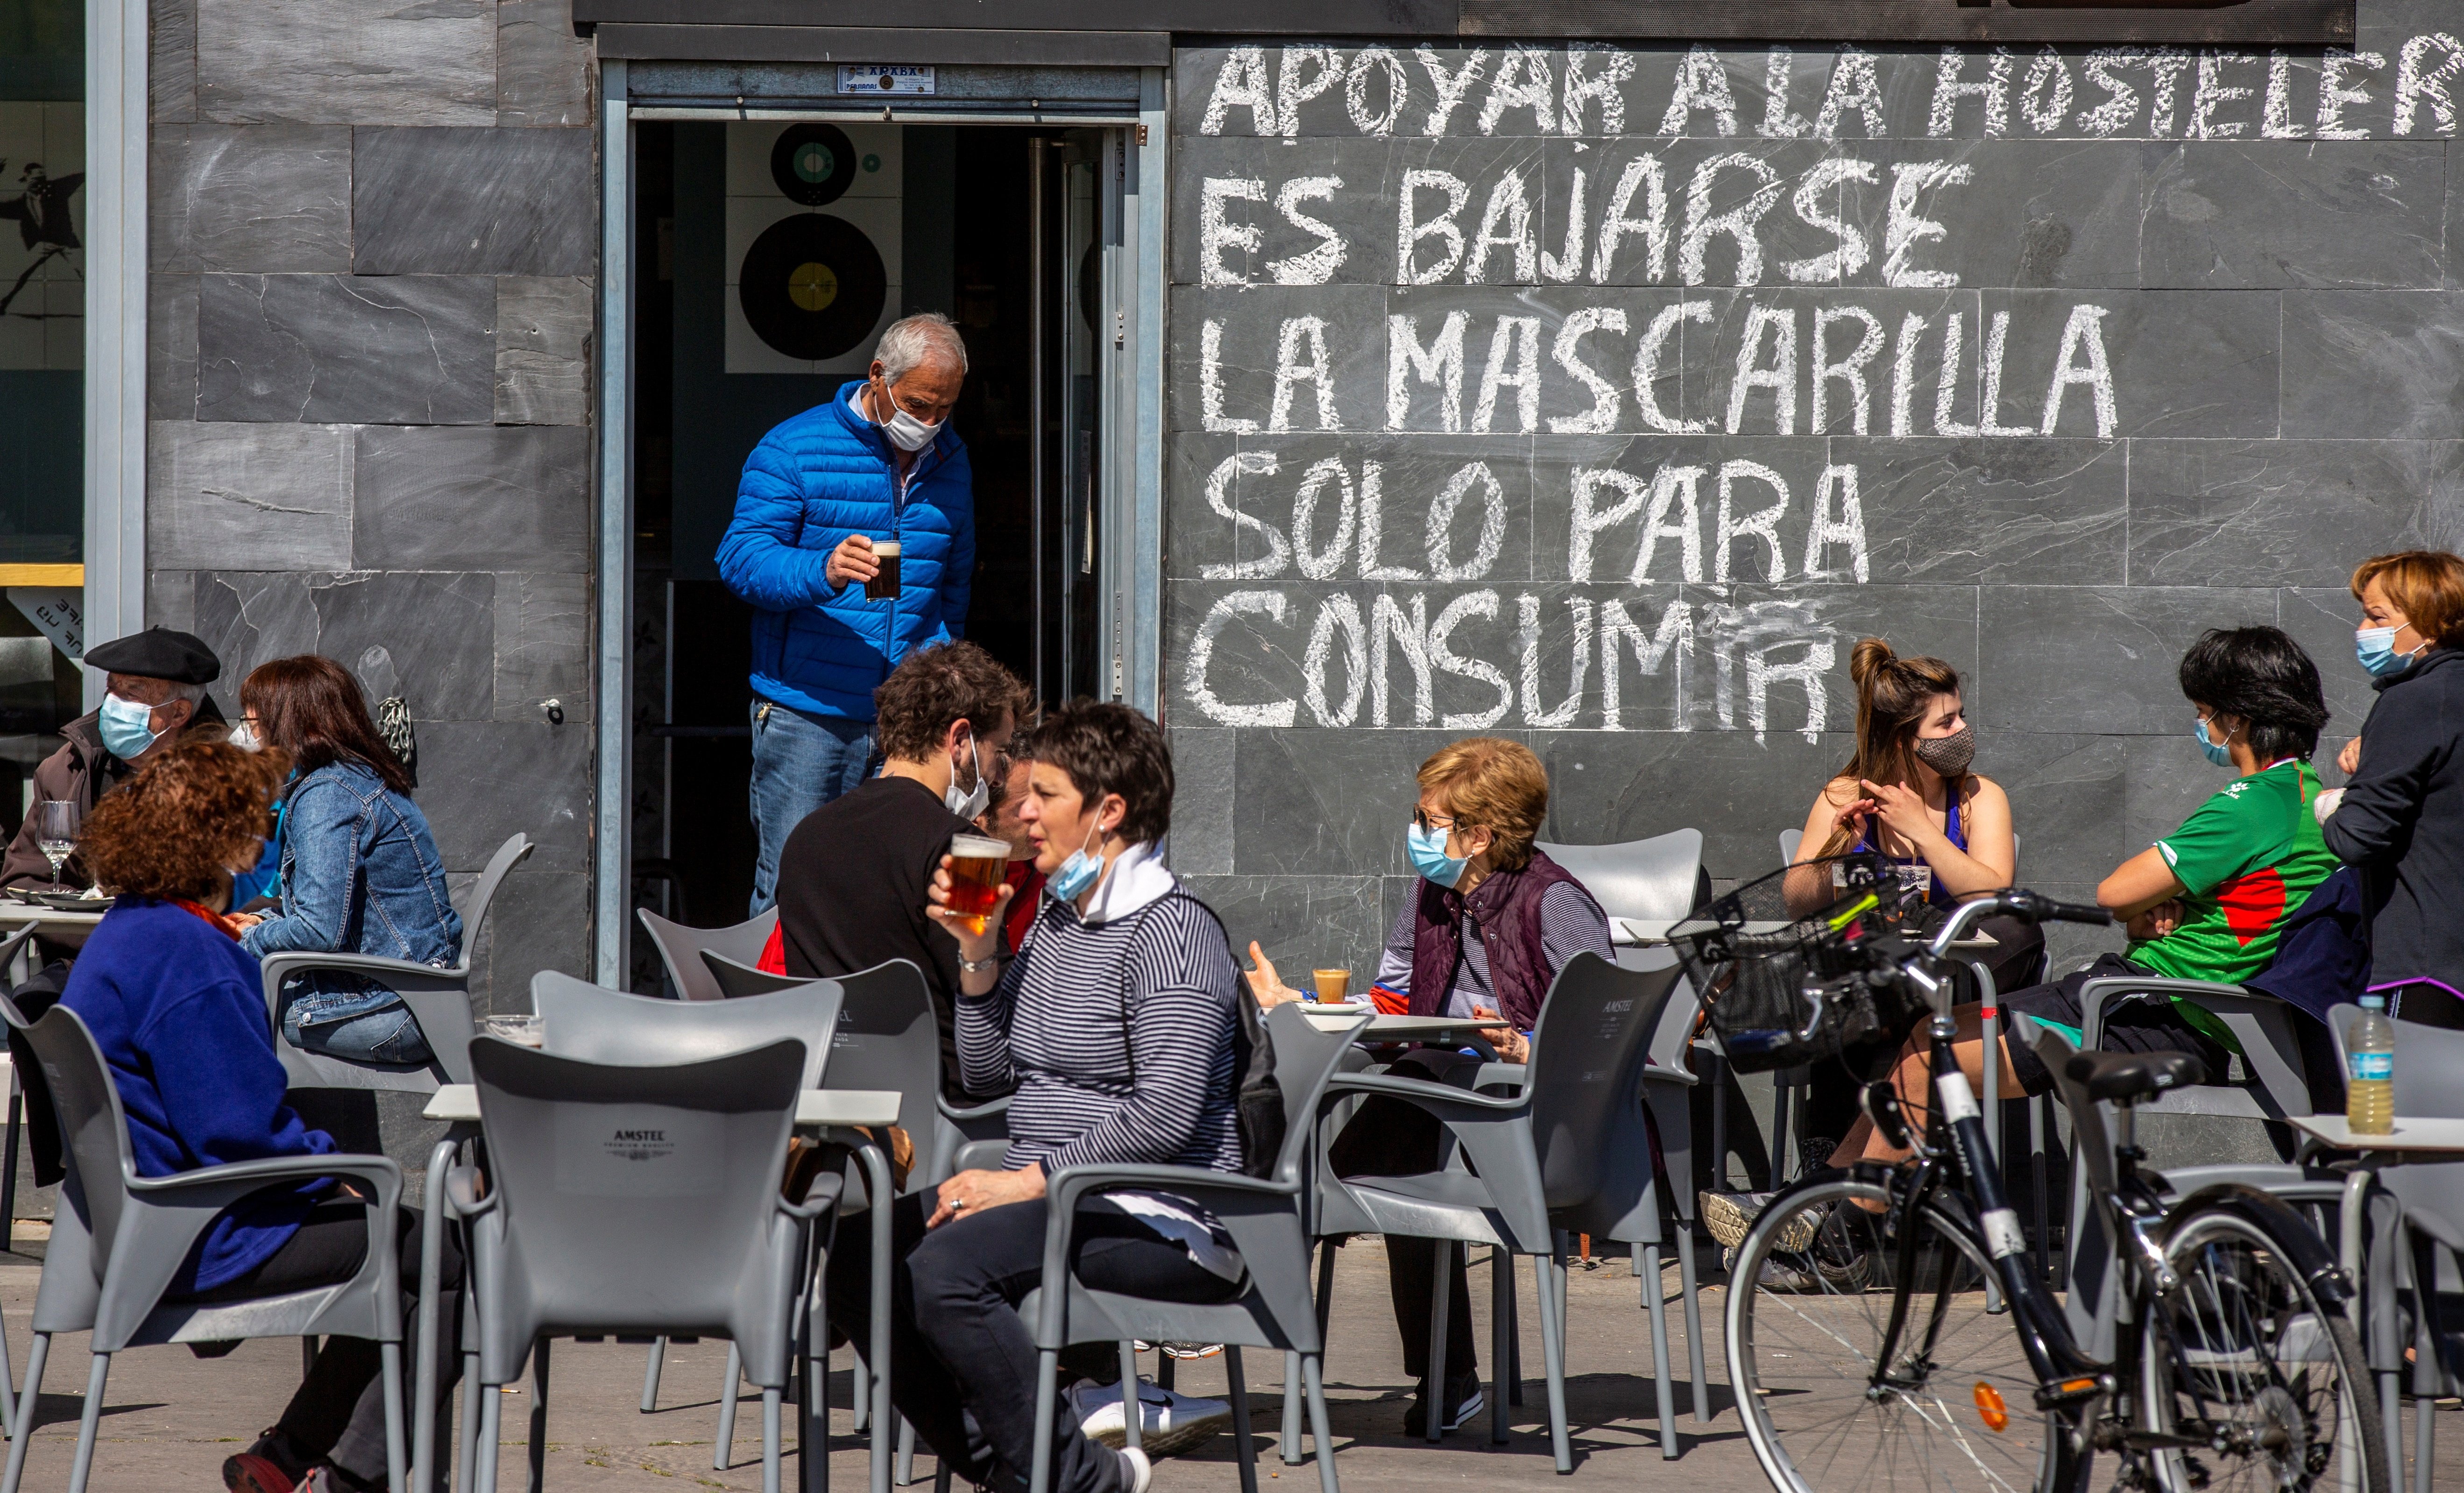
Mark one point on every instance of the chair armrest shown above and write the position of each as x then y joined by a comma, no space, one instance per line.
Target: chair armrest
281,966
1653,1074
237,1178
1429,1096
820,1198
982,1112
2112,989
462,1194
1066,1188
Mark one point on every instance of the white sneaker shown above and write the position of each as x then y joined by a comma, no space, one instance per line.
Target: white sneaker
1169,1423
1140,1470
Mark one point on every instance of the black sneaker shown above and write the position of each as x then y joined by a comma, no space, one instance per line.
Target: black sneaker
1463,1394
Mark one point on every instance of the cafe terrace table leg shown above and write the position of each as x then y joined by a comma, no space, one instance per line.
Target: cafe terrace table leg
431,1257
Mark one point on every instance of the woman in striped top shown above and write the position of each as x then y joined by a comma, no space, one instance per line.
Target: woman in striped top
1114,1024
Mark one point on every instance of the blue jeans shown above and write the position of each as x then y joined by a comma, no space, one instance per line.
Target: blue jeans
335,1025
799,763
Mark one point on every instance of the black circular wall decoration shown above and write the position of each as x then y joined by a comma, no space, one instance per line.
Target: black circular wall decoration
812,286
813,164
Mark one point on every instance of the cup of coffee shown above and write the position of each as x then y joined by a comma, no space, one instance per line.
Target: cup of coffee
1333,986
977,865
526,1031
884,585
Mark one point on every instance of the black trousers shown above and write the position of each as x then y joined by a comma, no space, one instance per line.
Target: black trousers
1389,1137
333,1398
964,1364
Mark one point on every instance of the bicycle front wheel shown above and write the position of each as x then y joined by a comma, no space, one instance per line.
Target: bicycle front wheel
1951,1408
2245,1359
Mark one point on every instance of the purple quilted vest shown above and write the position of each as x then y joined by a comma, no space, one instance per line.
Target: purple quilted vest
1506,906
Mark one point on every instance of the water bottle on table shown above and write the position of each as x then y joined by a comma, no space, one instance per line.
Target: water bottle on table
2370,1090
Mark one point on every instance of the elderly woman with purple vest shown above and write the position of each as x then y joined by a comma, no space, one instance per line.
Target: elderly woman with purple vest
1491,921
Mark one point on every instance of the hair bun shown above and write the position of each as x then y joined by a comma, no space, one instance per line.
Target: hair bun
1867,658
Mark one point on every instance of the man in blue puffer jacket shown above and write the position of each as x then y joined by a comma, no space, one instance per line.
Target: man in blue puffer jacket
821,499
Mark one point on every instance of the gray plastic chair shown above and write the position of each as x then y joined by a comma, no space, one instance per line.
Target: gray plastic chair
677,944
2275,1086
593,1024
1541,1154
1265,1218
439,999
119,1240
635,1198
734,978
1660,877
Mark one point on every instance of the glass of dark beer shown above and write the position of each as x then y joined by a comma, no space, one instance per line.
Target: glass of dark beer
884,585
977,862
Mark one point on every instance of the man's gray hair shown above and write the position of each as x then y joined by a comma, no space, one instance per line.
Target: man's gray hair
911,341
193,693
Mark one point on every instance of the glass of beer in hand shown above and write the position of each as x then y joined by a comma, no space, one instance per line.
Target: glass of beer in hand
884,585
976,864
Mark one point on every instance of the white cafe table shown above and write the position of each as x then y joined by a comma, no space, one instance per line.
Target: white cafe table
814,1107
2427,1139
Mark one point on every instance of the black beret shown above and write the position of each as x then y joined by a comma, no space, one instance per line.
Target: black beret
158,654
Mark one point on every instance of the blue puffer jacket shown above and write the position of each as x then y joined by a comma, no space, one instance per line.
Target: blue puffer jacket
817,478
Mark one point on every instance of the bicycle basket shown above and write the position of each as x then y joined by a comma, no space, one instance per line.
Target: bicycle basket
1785,983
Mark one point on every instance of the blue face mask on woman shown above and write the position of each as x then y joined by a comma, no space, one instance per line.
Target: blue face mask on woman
2375,649
2217,752
1076,873
1427,849
127,727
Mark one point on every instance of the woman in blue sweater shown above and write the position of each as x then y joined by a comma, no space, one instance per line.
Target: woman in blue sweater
178,1008
361,873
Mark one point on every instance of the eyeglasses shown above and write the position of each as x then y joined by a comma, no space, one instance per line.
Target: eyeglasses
1426,822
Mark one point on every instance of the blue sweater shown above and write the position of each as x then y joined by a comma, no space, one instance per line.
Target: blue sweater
815,479
179,1011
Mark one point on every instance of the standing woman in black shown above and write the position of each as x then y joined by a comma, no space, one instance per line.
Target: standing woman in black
2400,818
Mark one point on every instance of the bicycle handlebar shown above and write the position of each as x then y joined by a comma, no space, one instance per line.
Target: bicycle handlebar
2018,903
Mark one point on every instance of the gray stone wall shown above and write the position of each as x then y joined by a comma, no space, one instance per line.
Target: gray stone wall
1373,547
374,257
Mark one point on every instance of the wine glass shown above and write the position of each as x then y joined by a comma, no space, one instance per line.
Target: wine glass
56,831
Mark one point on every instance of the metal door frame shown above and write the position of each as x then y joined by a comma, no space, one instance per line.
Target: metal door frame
1130,390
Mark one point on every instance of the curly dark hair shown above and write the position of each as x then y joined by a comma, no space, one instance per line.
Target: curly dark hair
933,688
1110,748
172,831
2263,676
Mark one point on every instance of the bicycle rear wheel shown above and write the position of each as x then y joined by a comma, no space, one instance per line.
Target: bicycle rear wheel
2244,1357
1956,1407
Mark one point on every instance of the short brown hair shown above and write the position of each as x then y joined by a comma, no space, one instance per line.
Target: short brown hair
1494,784
312,708
1110,748
172,831
2427,585
934,688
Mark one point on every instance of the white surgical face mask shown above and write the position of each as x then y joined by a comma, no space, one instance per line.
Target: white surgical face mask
244,736
905,431
968,802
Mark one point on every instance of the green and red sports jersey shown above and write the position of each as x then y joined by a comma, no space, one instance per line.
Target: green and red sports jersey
2246,860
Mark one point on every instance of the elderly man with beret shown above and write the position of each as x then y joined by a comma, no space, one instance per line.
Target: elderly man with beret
157,681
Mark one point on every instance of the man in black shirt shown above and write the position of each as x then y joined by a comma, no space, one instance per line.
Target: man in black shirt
853,874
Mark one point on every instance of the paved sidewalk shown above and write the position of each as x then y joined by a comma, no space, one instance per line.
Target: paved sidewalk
170,1418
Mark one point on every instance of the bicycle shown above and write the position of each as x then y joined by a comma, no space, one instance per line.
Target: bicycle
1918,1346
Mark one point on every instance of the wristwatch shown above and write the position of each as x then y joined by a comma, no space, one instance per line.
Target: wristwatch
970,966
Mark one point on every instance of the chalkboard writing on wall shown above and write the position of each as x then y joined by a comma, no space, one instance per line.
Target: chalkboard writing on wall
1604,397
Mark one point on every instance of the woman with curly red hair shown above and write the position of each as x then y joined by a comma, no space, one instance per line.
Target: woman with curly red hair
178,1008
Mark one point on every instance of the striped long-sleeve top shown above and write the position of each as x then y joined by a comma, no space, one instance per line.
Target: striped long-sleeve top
1118,1037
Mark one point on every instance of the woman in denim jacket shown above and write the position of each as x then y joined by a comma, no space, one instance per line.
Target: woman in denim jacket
360,870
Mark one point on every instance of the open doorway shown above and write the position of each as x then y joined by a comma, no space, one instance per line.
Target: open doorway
996,227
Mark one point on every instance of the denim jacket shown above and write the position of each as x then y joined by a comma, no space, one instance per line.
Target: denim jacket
360,876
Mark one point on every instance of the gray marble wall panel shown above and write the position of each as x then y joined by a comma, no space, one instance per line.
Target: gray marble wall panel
171,347
2252,512
248,496
171,62
1202,798
509,775
474,201
259,199
542,645
2099,658
2374,365
427,637
348,62
541,921
491,497
542,69
390,349
2288,214
543,328
1301,922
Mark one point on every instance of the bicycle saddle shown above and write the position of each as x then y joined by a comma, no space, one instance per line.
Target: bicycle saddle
2127,1076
